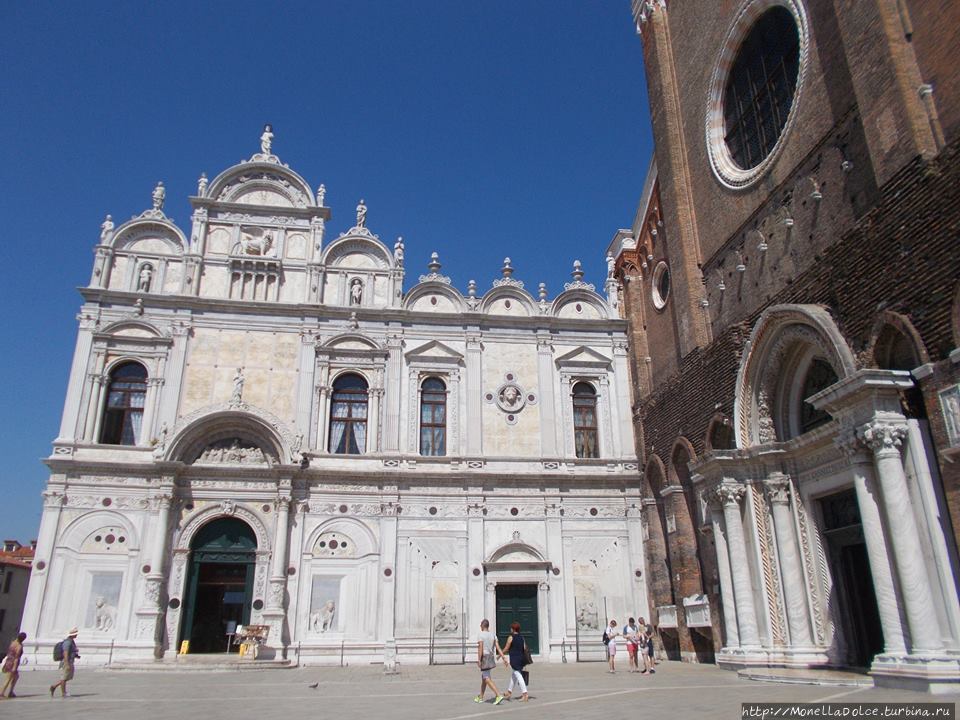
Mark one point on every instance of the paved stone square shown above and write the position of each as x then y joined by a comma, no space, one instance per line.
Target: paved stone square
558,691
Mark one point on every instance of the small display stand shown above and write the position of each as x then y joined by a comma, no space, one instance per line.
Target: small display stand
251,637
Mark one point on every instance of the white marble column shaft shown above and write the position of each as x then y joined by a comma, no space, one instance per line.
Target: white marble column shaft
726,579
791,564
730,495
885,440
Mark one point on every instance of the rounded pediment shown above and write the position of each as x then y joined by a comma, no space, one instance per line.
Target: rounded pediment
434,296
516,552
358,252
351,341
580,304
229,437
149,236
263,184
132,329
508,300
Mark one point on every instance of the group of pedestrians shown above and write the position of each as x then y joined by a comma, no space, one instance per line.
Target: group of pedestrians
65,652
638,639
515,655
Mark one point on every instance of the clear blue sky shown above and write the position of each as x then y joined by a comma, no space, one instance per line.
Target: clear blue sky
476,129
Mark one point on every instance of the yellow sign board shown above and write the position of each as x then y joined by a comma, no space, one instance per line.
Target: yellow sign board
184,647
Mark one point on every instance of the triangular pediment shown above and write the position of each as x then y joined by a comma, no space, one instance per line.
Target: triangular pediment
434,351
583,357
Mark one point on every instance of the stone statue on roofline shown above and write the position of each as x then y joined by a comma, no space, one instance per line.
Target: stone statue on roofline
398,252
266,140
106,230
361,214
159,195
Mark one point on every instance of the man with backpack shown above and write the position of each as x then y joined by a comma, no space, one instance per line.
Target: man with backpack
66,652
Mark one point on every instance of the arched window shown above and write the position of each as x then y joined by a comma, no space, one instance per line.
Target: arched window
585,421
348,415
125,399
433,417
761,86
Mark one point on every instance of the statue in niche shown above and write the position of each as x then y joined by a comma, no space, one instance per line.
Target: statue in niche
266,140
356,291
159,195
446,620
322,620
361,214
398,252
106,230
105,615
237,397
144,279
587,616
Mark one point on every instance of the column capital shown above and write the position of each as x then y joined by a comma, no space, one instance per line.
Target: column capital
730,493
777,486
882,436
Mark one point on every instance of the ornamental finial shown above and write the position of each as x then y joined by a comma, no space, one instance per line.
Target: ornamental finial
507,269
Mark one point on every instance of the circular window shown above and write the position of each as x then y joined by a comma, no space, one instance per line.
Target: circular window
661,285
754,89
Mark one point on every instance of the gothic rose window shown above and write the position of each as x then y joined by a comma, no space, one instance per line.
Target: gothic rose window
125,400
348,415
433,417
760,87
585,420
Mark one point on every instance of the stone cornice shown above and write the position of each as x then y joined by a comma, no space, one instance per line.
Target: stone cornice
377,316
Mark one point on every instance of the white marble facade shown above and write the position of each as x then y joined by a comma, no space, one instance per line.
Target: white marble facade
243,326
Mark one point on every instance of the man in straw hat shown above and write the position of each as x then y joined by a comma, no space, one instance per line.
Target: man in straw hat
67,662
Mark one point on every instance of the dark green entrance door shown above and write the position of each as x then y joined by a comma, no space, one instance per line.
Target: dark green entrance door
220,584
518,603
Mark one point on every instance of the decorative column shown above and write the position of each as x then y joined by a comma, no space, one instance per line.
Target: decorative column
730,495
373,420
53,503
150,614
391,420
323,421
726,580
876,541
93,403
100,406
150,407
884,439
275,613
548,418
473,380
778,488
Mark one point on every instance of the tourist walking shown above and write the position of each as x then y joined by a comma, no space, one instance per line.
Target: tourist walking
68,658
516,649
488,647
611,632
632,640
11,665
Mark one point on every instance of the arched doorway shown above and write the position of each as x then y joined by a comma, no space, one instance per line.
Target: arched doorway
219,584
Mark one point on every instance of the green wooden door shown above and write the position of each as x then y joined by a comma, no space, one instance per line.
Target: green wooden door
518,603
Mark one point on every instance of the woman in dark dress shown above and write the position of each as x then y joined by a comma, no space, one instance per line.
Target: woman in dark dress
515,649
